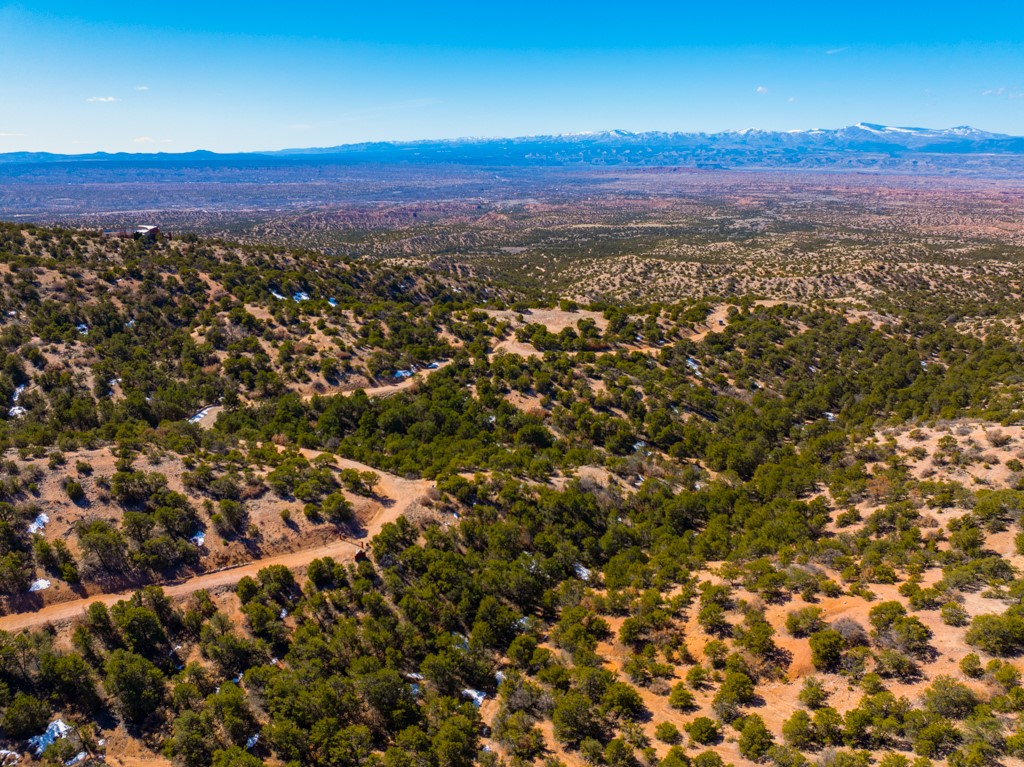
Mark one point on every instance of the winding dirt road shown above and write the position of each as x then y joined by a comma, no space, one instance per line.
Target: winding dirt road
401,493
62,612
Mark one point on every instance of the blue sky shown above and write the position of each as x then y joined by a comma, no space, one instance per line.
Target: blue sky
120,76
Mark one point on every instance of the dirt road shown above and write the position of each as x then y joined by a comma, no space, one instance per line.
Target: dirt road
401,385
402,493
66,611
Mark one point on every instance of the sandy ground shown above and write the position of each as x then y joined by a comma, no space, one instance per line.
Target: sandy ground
985,448
520,348
555,320
984,458
210,416
715,322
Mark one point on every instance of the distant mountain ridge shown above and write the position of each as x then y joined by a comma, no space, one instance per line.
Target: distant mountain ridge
862,137
852,145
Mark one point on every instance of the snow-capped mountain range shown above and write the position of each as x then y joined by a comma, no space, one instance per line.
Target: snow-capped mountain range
864,136
861,145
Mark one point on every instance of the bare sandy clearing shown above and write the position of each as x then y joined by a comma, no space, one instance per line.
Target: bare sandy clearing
978,458
555,320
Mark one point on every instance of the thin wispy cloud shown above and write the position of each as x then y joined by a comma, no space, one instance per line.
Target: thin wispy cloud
834,51
11,135
142,87
102,99
760,89
151,140
1013,94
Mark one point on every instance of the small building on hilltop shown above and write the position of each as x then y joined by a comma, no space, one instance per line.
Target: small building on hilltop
143,231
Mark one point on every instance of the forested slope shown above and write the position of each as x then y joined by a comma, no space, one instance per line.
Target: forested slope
732,530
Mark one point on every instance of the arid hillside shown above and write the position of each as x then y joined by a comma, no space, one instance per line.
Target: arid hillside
289,507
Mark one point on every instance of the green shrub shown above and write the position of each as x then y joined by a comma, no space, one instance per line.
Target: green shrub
337,508
681,698
25,716
703,730
755,739
949,698
813,694
997,634
804,622
827,648
971,666
953,614
74,490
798,731
667,732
